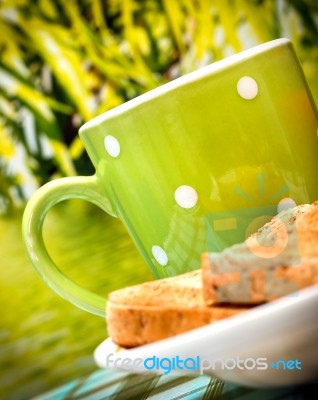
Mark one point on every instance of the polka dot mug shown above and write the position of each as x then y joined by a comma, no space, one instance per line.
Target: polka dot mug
180,163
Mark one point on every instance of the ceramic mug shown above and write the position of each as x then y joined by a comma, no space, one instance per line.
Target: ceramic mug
238,134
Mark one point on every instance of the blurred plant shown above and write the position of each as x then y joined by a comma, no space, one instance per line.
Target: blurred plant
63,62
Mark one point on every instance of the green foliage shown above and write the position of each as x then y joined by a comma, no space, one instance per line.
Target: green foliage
64,62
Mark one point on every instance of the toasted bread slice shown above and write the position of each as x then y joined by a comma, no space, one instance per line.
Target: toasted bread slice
159,309
281,258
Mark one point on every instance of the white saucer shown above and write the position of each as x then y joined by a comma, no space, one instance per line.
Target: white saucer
285,329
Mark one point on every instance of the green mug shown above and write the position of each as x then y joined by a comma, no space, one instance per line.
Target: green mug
238,134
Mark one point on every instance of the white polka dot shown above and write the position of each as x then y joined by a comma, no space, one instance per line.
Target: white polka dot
160,255
186,196
112,146
285,204
247,88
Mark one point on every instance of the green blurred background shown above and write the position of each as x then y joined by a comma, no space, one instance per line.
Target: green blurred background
62,63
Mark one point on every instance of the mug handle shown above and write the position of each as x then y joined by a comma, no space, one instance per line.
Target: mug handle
79,187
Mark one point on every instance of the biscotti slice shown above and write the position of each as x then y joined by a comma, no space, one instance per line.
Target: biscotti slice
159,309
281,258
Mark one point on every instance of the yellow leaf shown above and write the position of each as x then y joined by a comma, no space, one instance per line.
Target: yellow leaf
13,87
229,21
175,17
64,60
6,143
62,156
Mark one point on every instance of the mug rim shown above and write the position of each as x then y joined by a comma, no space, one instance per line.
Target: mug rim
183,80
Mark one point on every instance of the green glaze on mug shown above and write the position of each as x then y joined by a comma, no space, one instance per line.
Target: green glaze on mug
238,134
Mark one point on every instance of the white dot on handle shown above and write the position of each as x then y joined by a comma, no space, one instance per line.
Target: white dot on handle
186,196
112,146
247,88
285,204
160,255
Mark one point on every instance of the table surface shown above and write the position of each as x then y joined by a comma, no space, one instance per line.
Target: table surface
121,385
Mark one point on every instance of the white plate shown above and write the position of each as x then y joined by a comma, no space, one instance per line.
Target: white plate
285,329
